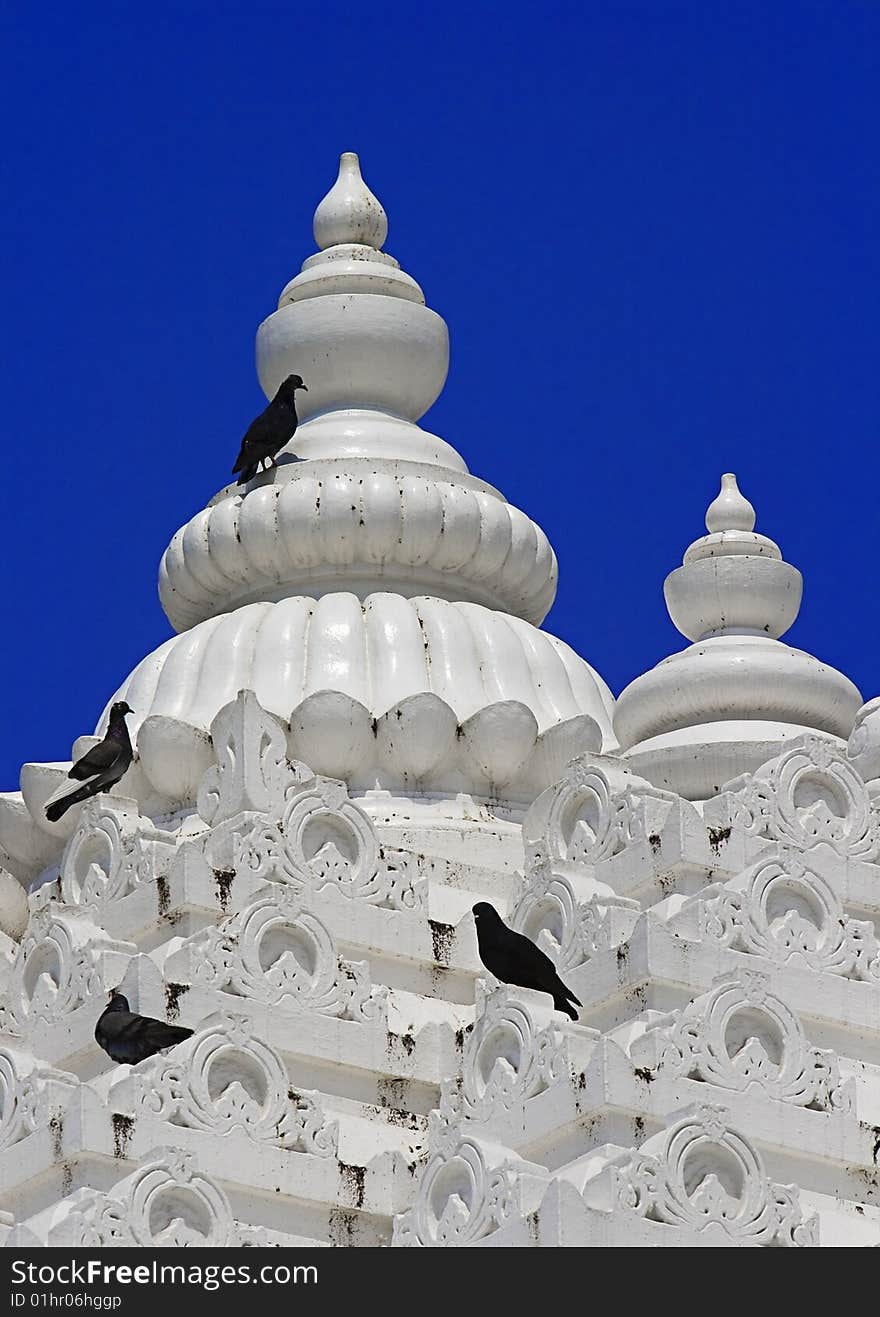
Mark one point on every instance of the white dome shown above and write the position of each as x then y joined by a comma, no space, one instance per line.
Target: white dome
377,652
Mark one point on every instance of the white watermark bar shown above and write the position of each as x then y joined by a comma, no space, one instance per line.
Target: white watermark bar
165,1282
121,1279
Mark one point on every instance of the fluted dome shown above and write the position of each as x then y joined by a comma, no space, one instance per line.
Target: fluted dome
340,526
377,652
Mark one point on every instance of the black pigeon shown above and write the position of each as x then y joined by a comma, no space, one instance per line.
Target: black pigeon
101,767
513,958
125,1036
272,429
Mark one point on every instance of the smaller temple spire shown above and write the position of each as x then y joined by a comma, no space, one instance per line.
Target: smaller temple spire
721,707
350,213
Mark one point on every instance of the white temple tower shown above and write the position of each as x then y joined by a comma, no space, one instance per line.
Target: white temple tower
358,732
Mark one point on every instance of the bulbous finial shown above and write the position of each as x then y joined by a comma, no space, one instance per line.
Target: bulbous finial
730,510
337,328
350,213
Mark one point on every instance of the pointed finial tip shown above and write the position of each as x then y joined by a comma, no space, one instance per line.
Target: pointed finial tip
350,213
730,510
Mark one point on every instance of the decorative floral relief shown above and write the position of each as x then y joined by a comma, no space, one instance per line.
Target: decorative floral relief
323,840
112,851
568,931
55,969
506,1060
252,770
223,1079
28,1095
583,818
739,1035
782,910
165,1204
278,952
701,1173
807,795
460,1200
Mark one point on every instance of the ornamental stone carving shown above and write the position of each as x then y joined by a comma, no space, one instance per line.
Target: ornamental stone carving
112,851
809,794
279,952
29,1094
566,929
779,908
56,968
461,1198
165,1204
252,770
739,1035
585,817
224,1079
700,1174
508,1058
323,840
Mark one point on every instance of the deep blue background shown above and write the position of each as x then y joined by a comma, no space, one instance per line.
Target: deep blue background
651,227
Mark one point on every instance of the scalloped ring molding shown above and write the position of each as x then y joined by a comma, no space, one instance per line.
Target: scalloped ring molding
365,526
360,733
360,660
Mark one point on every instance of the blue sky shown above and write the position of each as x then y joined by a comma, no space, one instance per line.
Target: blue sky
651,227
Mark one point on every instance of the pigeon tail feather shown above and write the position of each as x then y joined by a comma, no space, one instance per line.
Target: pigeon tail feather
562,1005
58,808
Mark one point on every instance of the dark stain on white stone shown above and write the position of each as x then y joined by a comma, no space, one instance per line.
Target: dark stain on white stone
224,879
352,1178
123,1127
164,894
342,1225
442,936
717,838
173,994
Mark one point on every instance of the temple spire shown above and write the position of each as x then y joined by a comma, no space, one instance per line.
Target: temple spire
722,706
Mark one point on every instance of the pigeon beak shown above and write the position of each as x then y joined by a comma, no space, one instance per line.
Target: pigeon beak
304,388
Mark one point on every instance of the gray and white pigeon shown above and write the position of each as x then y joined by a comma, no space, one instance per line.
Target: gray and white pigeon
101,767
273,428
514,958
127,1037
